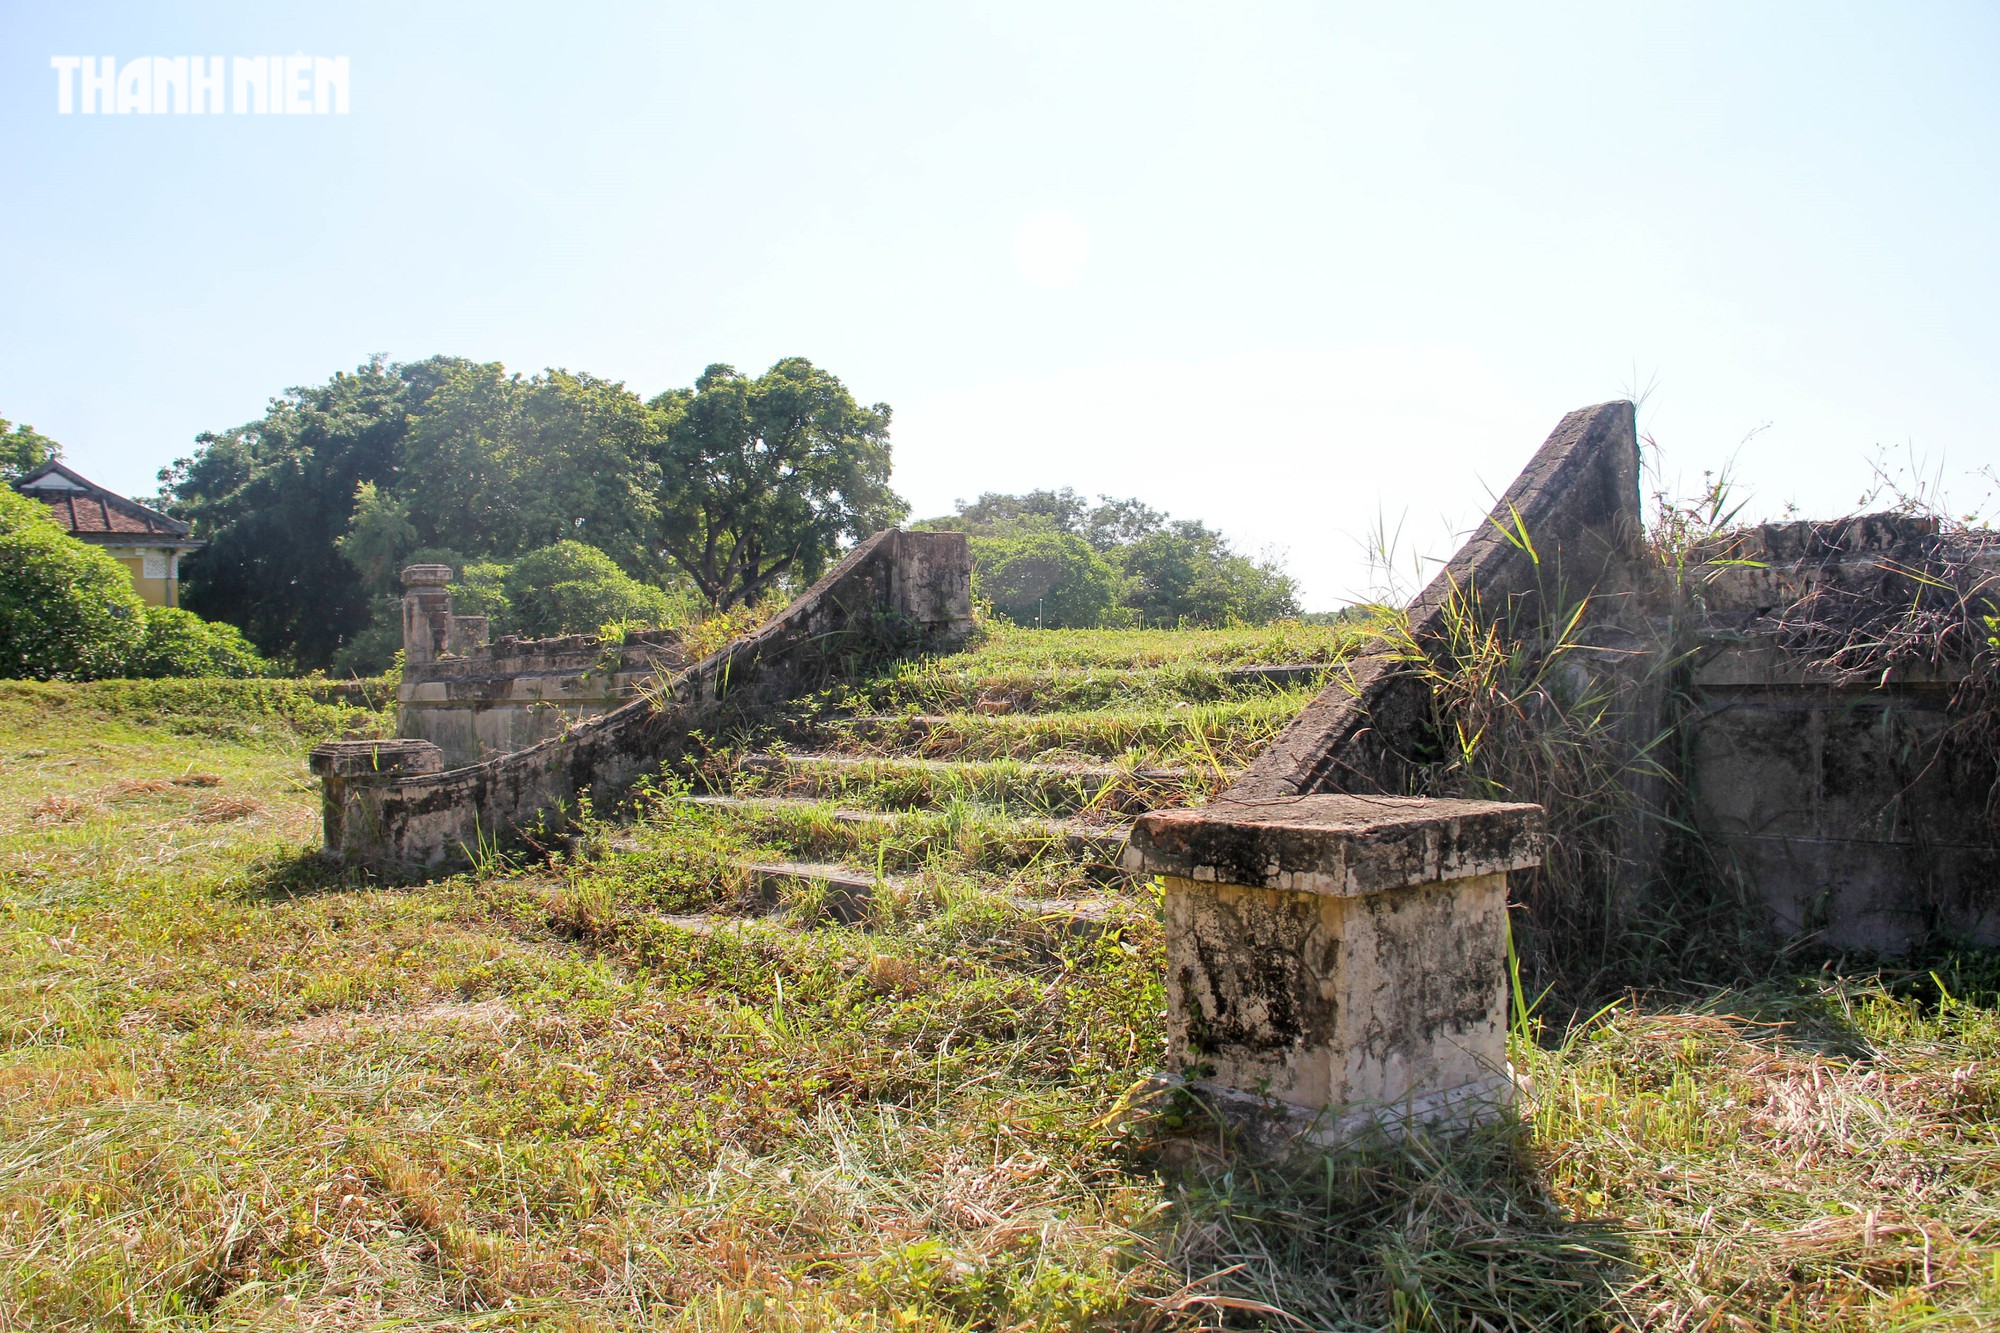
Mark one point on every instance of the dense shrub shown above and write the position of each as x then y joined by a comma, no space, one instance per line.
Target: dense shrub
481,590
181,643
571,588
68,611
1052,579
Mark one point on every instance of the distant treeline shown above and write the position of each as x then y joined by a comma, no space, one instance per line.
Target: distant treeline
1054,560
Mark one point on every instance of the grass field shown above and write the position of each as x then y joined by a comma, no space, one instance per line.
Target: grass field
609,1091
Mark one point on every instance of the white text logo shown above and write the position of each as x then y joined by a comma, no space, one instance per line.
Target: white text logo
193,85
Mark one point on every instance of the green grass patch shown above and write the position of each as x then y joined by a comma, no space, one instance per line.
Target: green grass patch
241,1091
1219,735
1008,648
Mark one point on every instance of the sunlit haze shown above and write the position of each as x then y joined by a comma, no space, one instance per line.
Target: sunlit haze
1299,271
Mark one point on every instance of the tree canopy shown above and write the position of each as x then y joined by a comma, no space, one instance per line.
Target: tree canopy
564,500
573,588
272,498
763,479
725,489
1048,579
23,449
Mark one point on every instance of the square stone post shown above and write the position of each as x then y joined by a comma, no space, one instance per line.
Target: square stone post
1339,962
426,614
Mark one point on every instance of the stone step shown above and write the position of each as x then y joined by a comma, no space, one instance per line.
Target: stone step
1046,691
1121,791
889,725
979,737
1279,676
847,894
1100,843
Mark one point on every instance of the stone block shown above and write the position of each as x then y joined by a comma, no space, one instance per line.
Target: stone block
356,777
378,759
1340,960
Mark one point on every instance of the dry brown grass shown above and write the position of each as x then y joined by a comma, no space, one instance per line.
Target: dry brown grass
221,809
64,808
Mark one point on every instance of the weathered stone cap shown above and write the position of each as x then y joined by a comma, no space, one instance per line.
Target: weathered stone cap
1339,845
426,576
385,758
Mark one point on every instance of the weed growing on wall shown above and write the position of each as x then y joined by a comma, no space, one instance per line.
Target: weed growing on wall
1579,711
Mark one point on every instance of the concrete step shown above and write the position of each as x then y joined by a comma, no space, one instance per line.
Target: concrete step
1280,676
1094,842
1121,791
1046,691
845,895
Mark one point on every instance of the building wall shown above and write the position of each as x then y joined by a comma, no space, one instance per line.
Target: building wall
154,591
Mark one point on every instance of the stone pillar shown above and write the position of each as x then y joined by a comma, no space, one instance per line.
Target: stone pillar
930,581
353,777
1339,962
426,614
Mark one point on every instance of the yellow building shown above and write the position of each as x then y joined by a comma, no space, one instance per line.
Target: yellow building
144,540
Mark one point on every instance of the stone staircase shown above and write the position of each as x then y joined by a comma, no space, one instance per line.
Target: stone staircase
972,775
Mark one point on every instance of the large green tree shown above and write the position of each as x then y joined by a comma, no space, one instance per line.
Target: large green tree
272,499
761,480
1047,579
1156,570
499,464
1185,573
571,588
23,449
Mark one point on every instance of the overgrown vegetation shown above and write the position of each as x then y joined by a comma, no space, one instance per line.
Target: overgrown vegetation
68,611
181,643
1581,713
613,1089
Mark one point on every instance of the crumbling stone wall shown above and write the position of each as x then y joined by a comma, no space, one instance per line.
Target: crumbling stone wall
1851,797
476,701
485,700
1846,780
397,804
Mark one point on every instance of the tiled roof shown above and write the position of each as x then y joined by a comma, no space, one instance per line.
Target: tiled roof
88,510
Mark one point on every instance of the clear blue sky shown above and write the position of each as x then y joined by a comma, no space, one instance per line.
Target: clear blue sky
1284,268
